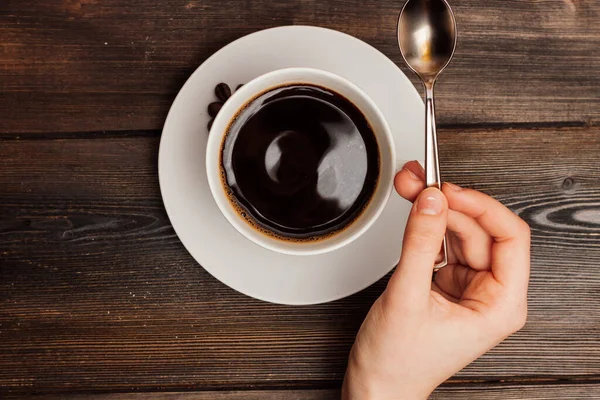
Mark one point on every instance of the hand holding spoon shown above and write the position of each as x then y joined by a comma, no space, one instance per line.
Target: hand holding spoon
427,39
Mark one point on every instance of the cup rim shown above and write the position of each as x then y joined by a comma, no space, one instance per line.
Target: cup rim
235,104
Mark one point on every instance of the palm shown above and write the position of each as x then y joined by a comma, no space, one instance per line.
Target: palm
458,281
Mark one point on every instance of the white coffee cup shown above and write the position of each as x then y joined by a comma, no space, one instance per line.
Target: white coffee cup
350,91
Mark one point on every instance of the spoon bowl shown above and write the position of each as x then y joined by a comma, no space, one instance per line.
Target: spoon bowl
427,36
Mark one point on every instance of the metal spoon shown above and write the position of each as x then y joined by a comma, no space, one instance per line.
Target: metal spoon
427,39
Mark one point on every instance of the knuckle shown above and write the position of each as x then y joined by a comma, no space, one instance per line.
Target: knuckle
423,241
463,236
519,319
524,229
515,318
508,313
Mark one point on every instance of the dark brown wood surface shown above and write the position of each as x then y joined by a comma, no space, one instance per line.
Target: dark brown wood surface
112,65
97,294
474,392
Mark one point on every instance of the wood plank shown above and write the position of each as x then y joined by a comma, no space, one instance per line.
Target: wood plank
87,65
331,394
571,391
518,392
97,293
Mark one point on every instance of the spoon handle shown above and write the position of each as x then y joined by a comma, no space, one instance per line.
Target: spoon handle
432,165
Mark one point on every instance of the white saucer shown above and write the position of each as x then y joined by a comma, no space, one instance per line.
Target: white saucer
207,235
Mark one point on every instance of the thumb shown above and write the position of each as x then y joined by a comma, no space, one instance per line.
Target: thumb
423,238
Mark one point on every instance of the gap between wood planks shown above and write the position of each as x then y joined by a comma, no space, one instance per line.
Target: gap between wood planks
331,385
157,132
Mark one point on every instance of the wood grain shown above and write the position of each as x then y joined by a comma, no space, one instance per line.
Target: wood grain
331,394
485,391
91,65
97,293
472,392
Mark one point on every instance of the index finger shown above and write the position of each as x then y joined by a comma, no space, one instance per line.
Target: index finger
410,181
510,252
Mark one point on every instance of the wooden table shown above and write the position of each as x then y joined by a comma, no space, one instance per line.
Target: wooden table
99,299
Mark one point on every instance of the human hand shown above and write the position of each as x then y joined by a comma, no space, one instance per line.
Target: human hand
419,333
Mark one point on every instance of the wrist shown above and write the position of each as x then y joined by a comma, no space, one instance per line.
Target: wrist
364,386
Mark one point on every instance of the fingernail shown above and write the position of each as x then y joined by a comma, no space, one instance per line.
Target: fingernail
454,187
430,202
421,167
412,175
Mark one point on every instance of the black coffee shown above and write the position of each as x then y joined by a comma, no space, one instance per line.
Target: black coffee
300,162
